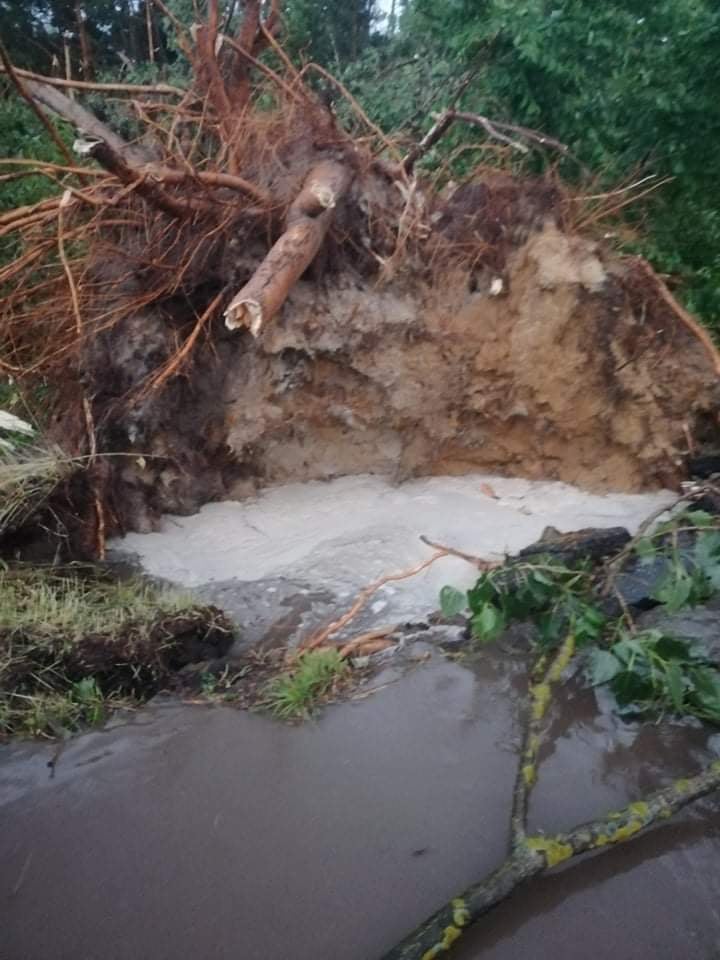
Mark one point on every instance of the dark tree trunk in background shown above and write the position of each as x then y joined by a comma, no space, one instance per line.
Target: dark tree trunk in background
86,57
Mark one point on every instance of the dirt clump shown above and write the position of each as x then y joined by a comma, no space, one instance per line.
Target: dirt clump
547,369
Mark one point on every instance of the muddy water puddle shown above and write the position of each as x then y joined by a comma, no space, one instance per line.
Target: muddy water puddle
206,832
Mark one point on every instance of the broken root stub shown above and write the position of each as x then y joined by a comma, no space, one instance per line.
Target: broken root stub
308,221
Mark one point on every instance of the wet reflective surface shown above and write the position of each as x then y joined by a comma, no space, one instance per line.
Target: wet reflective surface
209,833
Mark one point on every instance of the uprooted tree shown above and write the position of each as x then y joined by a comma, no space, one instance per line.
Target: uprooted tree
250,291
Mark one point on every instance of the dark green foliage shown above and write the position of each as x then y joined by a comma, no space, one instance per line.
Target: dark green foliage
648,671
22,135
554,596
633,89
654,672
693,574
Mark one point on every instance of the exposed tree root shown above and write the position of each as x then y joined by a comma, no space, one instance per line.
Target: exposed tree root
308,220
234,197
320,638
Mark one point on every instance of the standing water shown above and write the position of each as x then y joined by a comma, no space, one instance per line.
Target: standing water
205,832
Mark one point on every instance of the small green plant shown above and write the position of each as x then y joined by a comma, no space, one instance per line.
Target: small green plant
294,695
52,713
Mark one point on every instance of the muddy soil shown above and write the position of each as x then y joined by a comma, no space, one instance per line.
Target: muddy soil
542,370
204,832
548,356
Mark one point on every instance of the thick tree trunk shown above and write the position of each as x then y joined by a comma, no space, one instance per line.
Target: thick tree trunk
307,223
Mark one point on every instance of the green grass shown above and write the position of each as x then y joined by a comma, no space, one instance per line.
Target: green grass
49,604
43,615
29,472
295,694
53,713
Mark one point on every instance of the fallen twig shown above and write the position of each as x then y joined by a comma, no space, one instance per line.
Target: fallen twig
160,88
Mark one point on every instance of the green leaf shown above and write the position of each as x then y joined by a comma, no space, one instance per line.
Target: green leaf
627,649
488,623
630,687
646,550
699,518
707,685
483,592
713,575
705,697
707,549
552,626
675,685
589,624
452,601
603,666
671,648
674,591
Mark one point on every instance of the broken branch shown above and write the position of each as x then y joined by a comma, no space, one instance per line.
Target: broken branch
85,121
494,129
541,853
164,89
540,692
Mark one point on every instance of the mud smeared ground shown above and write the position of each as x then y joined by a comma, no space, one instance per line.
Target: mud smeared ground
200,832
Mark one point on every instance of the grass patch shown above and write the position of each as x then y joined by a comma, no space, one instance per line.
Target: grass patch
45,603
75,644
294,695
29,472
